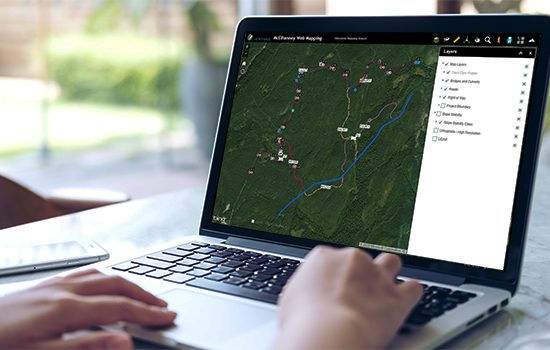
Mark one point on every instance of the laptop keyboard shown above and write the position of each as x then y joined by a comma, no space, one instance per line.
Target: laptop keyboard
435,302
258,276
217,268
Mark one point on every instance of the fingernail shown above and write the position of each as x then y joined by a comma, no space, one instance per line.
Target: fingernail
162,302
163,310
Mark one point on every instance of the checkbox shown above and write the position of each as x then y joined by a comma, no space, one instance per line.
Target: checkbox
436,130
442,105
434,139
438,114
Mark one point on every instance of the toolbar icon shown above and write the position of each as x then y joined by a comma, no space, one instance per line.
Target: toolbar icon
520,40
456,40
509,40
436,39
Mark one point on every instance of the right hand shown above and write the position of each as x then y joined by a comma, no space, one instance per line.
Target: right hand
342,298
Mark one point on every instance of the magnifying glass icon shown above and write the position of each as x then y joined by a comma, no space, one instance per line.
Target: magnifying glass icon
487,39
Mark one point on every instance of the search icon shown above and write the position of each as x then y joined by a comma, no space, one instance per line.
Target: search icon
487,39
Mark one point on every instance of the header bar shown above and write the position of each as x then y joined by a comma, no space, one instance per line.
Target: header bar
468,39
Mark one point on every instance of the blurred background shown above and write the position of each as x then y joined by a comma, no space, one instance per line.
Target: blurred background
124,94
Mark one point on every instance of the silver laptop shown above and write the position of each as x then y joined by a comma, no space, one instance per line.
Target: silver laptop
411,135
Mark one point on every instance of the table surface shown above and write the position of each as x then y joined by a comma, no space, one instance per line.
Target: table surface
138,225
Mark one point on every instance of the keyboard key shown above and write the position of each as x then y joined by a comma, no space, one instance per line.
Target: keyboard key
164,257
277,282
233,290
448,306
441,290
215,260
125,266
269,271
205,266
272,257
456,300
188,247
239,257
163,265
234,280
418,320
233,263
272,290
198,273
216,276
234,250
290,261
217,247
462,295
141,270
241,273
177,252
205,250
222,253
275,264
260,277
178,278
254,285
188,262
198,256
251,267
259,261
158,274
180,269
223,269
200,244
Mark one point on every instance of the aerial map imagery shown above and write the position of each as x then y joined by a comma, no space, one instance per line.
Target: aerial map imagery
325,141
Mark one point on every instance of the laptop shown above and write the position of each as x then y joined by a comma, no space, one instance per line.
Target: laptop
411,135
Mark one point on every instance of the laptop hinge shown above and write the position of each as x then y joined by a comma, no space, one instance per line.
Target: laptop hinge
431,276
276,248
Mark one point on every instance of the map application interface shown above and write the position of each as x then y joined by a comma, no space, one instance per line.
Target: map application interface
385,141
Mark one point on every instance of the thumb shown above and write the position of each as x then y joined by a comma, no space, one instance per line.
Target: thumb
93,341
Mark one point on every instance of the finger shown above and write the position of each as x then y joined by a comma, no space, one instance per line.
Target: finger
100,284
411,291
390,263
101,310
99,340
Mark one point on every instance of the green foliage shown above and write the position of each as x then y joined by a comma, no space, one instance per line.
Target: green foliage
203,23
99,69
104,18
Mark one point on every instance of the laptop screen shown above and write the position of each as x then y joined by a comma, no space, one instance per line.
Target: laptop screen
399,142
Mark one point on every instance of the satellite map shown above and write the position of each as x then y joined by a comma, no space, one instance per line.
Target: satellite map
325,141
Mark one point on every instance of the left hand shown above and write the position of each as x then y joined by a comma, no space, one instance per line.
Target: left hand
38,317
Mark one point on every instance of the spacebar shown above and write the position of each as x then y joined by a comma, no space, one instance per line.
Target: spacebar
232,290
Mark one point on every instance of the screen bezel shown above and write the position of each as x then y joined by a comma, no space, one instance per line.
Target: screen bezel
507,278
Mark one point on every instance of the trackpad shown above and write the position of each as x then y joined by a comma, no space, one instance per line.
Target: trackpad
212,321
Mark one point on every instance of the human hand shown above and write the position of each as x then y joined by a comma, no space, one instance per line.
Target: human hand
342,298
36,318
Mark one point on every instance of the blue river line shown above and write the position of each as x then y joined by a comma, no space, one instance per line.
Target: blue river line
354,161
